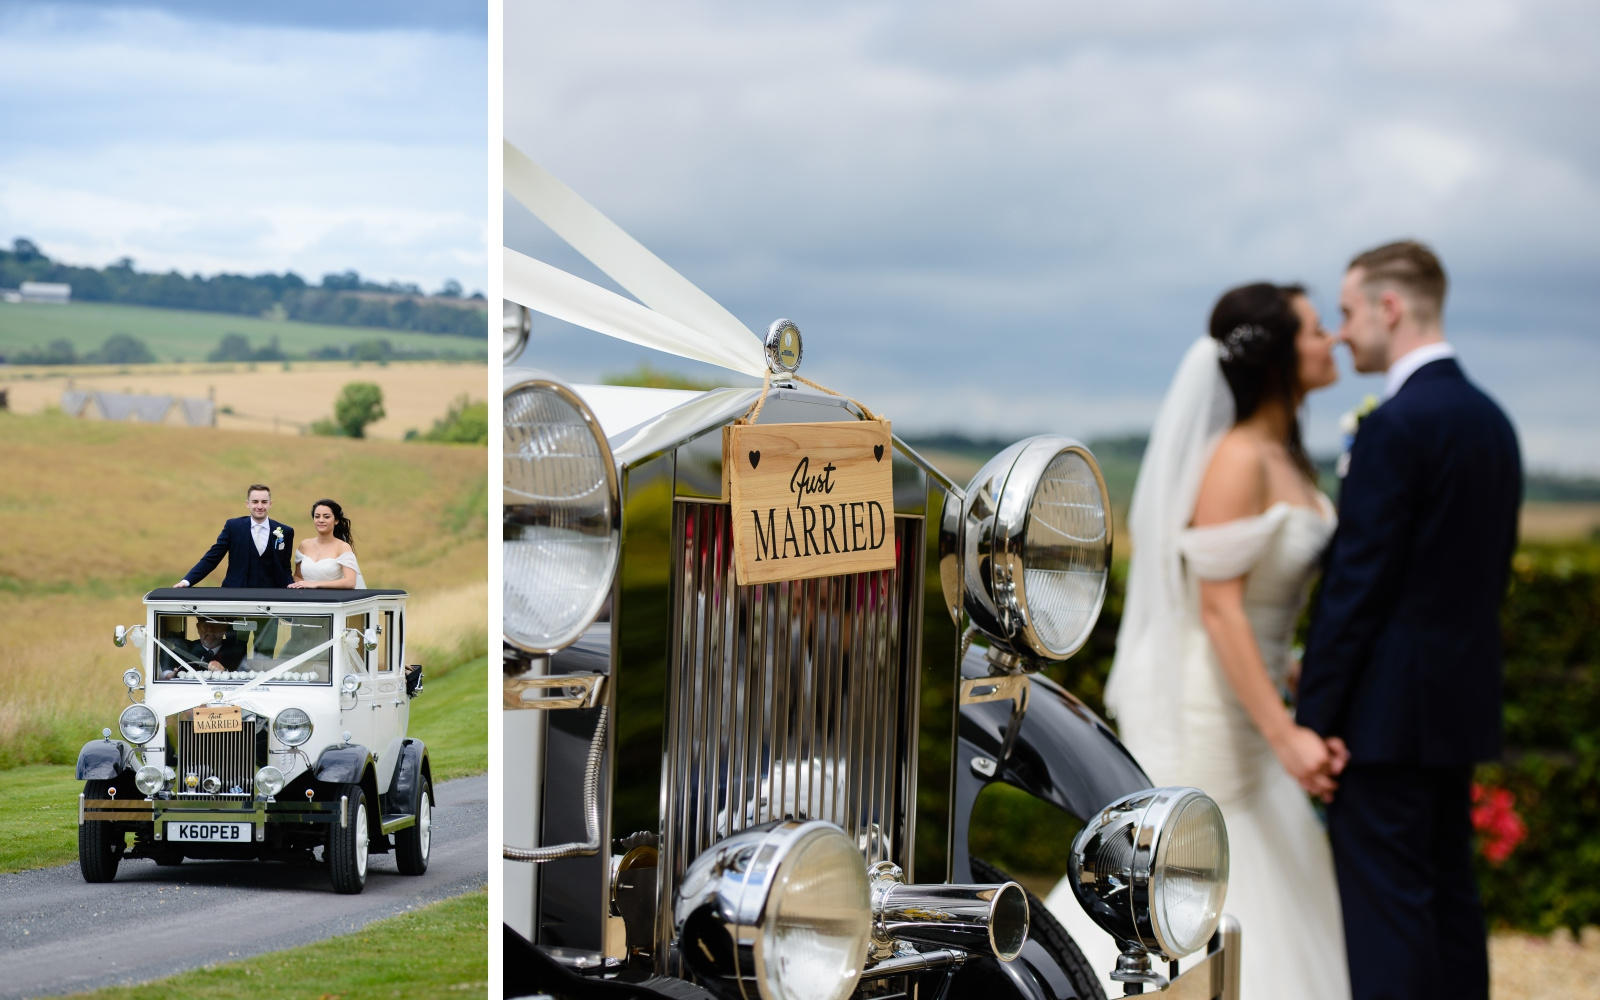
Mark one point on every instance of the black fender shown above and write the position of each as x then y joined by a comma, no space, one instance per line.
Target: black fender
530,971
343,765
409,772
1060,752
105,760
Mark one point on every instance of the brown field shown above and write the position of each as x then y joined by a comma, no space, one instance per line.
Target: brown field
95,514
268,398
1559,522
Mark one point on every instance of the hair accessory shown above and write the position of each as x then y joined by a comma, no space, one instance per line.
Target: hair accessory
1236,342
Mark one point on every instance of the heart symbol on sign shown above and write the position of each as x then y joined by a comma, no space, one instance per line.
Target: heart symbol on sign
755,459
877,453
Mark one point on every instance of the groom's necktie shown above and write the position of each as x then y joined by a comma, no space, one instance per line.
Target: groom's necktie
259,531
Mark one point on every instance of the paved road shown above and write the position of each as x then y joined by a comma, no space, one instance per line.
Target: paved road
59,934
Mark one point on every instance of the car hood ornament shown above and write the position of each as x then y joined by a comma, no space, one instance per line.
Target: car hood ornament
783,347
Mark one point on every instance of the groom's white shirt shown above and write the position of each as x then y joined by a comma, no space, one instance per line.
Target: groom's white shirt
1408,365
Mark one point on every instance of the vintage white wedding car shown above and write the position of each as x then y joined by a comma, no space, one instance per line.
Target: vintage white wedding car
282,736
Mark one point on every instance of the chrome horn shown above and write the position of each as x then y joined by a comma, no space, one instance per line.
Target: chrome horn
992,918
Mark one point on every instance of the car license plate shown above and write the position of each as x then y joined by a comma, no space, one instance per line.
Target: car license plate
223,833
217,719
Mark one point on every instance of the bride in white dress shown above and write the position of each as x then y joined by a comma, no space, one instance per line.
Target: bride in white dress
1228,528
328,559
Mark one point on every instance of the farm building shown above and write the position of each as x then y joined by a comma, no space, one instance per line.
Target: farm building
53,292
175,410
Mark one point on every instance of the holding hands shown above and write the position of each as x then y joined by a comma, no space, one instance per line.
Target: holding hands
1314,762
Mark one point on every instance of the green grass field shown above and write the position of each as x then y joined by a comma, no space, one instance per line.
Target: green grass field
41,800
437,951
186,335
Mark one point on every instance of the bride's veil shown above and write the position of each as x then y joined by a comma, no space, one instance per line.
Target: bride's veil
1145,679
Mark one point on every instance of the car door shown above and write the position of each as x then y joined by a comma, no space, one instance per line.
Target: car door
389,706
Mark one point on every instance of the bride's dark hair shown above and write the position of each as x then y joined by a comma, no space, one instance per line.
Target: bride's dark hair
1255,328
341,524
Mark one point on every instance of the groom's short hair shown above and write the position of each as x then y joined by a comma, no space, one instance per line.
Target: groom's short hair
263,487
1410,267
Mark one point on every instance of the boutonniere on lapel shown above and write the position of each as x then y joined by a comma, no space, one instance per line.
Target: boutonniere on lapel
1349,424
278,534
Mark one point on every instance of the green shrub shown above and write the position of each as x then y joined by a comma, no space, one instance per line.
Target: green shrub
1551,765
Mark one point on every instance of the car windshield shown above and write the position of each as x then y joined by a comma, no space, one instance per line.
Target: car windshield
233,649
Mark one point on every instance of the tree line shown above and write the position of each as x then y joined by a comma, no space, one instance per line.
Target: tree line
344,299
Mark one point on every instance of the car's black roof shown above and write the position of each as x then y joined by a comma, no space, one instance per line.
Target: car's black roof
265,595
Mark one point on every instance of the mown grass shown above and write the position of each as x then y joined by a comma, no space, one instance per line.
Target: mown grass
39,802
189,335
94,515
438,951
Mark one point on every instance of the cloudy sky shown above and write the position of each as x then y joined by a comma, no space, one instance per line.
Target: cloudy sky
207,137
1014,217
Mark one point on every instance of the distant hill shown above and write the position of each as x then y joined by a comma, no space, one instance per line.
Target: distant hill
76,333
343,299
1119,462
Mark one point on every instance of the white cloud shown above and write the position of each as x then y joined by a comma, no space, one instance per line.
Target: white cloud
1048,200
206,146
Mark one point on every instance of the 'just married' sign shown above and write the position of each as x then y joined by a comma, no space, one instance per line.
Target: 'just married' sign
809,499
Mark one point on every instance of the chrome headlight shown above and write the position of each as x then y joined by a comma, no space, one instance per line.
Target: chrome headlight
138,724
1152,869
269,780
562,516
783,907
132,678
292,727
1033,539
150,779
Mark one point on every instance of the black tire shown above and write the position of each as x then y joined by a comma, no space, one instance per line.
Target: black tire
411,845
347,845
1045,929
100,845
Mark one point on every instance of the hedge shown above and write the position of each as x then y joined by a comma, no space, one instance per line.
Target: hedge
1545,875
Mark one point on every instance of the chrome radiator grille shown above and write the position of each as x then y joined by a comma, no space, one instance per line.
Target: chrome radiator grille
794,699
229,756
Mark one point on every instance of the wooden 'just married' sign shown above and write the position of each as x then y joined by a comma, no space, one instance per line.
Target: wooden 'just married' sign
809,500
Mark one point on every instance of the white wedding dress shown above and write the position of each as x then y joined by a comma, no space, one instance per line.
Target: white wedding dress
1178,715
319,570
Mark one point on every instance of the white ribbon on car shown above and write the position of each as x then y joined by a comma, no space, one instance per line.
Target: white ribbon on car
180,661
278,670
676,316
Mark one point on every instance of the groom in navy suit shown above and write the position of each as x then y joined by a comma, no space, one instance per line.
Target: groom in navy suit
1403,664
258,548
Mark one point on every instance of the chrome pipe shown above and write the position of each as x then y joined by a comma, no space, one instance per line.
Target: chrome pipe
591,809
970,917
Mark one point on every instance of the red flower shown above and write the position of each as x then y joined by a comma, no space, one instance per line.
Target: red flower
1494,817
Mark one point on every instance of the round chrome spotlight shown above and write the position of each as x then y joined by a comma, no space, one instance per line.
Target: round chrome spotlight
1033,542
1152,869
211,785
782,910
131,679
150,779
269,781
562,516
